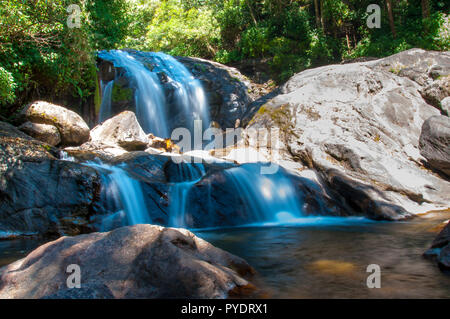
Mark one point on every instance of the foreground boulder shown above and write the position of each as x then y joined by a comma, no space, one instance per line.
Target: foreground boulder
435,143
39,194
142,261
72,128
440,248
359,125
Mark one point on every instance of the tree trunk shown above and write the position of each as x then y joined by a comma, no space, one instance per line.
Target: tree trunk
425,9
391,17
316,6
249,5
322,18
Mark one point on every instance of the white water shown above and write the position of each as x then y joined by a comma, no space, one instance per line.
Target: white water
149,96
190,174
190,94
151,106
268,198
105,107
125,192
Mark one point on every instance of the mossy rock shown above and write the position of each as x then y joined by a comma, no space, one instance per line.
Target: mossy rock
120,93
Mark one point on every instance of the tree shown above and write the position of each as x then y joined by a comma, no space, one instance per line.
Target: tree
316,7
425,9
391,18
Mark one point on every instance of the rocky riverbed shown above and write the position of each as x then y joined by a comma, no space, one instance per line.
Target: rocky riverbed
368,140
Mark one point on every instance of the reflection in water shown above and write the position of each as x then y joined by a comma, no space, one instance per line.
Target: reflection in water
325,260
330,261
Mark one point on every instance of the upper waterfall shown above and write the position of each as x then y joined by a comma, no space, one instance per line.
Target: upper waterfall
162,87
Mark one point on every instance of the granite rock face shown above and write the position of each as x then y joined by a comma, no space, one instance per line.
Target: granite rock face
359,125
435,143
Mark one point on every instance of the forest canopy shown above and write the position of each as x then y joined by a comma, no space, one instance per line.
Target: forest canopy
41,56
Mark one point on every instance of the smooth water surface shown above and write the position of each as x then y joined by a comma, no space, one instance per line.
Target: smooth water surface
330,260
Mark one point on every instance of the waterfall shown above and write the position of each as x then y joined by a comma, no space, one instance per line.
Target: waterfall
150,95
189,174
123,192
268,198
105,107
189,94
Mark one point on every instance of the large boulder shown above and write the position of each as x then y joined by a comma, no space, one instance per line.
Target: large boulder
42,132
435,143
440,249
72,128
122,130
358,125
142,261
40,194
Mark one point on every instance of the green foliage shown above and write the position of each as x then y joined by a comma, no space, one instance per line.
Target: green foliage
182,31
7,87
45,57
40,56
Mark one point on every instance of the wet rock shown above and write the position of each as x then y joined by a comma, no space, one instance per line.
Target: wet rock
72,128
440,249
358,126
122,130
227,89
39,194
142,261
43,132
435,143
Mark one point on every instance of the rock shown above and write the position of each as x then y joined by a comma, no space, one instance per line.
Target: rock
42,132
420,66
229,92
358,126
445,106
435,142
435,92
122,130
142,261
440,249
72,128
40,195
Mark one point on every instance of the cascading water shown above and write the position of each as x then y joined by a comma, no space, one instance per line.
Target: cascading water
125,193
150,96
189,174
105,107
189,94
268,198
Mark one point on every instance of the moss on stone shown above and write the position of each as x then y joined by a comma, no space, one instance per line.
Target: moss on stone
120,93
